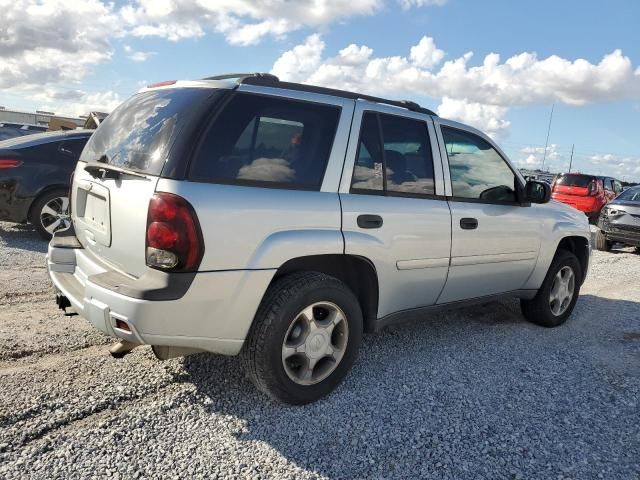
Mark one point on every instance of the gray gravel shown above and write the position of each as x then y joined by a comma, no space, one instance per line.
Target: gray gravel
477,393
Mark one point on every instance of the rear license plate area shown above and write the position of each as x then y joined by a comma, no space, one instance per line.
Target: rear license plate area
93,212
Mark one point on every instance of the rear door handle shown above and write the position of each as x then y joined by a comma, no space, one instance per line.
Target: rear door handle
369,221
468,223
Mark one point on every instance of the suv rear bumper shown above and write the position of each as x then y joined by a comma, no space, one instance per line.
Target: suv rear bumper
213,313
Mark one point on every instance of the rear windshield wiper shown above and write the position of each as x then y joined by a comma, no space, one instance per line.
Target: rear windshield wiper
102,170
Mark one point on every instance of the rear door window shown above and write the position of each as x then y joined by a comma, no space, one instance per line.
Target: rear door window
267,141
404,150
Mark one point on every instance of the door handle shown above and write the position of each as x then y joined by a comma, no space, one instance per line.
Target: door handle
468,223
369,221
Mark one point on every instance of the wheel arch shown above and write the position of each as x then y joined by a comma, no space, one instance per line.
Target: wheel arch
579,246
358,273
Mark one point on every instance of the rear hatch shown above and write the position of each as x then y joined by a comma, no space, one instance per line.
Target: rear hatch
120,166
574,184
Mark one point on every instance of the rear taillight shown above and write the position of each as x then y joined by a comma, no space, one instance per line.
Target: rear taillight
174,239
592,189
9,163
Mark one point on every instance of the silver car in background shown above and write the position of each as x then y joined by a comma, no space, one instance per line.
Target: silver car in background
280,221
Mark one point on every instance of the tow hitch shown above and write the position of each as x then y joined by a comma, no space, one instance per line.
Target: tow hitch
64,303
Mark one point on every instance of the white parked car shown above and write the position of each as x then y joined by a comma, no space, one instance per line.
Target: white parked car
280,221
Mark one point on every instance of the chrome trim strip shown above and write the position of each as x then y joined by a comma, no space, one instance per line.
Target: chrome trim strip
496,258
422,263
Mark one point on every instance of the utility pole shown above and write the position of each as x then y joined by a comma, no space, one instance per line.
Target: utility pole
546,144
571,159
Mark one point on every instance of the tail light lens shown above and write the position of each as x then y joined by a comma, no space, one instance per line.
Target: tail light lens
174,239
592,189
9,163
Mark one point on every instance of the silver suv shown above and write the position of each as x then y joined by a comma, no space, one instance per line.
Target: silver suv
279,221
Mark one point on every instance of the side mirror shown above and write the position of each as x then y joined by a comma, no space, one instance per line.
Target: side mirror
537,192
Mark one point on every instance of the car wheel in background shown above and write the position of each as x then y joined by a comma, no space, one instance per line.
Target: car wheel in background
601,241
557,296
50,212
305,338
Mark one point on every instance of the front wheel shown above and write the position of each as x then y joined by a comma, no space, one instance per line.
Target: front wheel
304,339
601,241
557,296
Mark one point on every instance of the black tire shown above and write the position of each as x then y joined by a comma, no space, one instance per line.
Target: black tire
538,309
284,300
39,204
601,241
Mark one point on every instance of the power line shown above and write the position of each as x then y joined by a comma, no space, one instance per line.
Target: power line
571,159
546,144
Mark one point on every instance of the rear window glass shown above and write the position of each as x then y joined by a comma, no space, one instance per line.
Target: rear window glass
139,133
574,180
267,141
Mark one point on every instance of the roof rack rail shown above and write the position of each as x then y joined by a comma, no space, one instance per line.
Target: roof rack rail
268,79
242,76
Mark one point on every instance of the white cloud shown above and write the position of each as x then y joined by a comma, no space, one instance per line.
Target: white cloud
488,118
532,156
53,41
137,56
425,54
74,102
421,3
57,43
243,22
477,94
619,166
301,61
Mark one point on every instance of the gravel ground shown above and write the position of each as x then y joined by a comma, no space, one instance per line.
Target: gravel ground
477,393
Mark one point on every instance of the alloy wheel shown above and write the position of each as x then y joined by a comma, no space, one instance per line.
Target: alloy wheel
562,290
54,215
315,343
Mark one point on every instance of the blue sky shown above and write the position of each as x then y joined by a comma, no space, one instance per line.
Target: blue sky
119,47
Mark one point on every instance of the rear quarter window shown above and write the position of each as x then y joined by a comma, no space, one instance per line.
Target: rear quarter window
267,141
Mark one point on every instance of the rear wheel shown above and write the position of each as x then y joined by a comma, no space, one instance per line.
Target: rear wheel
601,241
557,296
50,212
304,339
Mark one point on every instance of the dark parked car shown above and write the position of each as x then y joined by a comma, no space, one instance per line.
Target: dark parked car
34,178
620,221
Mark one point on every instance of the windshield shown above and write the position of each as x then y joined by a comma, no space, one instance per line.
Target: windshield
574,180
630,195
139,133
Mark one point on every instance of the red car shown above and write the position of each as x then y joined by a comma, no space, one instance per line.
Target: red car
587,193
